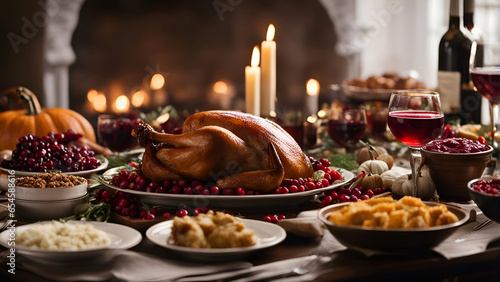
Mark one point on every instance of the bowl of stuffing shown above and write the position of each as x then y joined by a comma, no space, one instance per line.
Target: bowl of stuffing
50,187
387,225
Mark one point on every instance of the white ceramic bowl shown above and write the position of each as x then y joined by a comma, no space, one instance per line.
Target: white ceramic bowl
51,194
48,210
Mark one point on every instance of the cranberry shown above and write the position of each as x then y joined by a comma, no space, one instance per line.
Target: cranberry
274,219
240,191
325,162
214,190
166,215
181,213
310,185
293,189
302,188
176,189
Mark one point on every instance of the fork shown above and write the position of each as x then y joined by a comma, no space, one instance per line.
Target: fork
476,228
321,252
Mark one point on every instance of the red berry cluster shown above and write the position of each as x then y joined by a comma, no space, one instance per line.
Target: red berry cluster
487,186
133,180
342,195
306,184
51,152
274,218
128,205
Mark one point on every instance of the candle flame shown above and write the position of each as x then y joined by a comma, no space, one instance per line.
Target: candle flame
99,103
322,113
255,57
122,103
312,119
157,81
312,87
91,94
270,33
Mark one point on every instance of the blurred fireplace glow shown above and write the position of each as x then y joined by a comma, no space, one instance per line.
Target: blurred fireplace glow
100,104
139,99
220,87
157,81
91,95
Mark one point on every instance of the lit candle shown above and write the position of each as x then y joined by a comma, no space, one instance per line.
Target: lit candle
312,88
252,84
268,64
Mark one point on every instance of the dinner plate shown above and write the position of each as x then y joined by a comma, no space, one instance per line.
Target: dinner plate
121,236
268,235
246,202
84,173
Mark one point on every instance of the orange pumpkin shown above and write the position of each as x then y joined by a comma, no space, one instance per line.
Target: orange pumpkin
35,120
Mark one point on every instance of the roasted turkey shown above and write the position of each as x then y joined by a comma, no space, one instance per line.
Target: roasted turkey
228,148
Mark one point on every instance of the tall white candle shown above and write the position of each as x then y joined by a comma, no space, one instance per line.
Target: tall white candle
252,84
312,88
268,64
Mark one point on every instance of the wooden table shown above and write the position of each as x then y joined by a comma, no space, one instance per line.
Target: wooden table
350,265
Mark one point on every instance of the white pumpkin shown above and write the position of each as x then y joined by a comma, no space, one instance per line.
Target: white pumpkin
388,178
402,186
373,167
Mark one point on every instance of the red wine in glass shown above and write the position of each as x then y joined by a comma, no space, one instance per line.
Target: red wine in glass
345,132
415,128
487,81
116,133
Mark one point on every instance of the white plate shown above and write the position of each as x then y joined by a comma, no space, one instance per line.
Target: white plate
247,202
121,236
268,235
83,173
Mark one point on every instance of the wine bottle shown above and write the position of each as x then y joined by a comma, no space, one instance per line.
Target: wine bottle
453,70
475,35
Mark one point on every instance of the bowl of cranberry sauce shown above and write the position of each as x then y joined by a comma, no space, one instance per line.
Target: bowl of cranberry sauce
452,163
486,195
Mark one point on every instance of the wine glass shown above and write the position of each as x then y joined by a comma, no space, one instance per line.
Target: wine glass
346,127
485,73
115,132
415,118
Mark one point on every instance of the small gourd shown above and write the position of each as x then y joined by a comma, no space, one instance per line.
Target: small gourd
402,186
369,153
388,159
373,167
388,178
371,181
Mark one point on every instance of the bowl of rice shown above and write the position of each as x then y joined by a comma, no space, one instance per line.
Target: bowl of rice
50,187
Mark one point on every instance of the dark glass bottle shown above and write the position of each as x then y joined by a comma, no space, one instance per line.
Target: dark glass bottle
474,35
453,71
